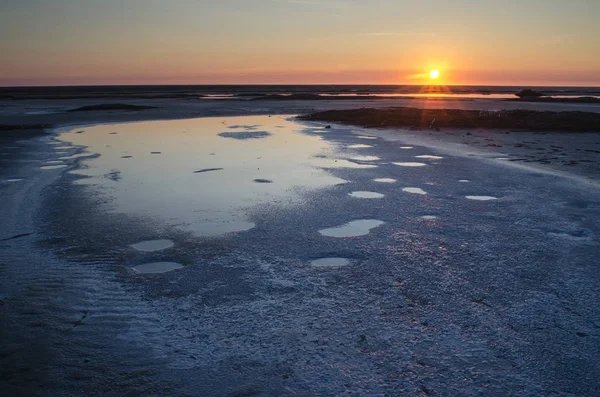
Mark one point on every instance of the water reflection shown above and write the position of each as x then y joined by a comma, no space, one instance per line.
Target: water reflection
202,182
352,229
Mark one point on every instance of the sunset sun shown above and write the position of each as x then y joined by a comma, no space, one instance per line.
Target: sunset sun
434,74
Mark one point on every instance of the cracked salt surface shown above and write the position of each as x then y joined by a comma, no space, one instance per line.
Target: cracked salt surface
356,228
152,245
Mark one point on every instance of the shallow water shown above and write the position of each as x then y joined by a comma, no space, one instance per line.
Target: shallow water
429,156
410,164
386,180
330,262
360,146
217,200
152,245
414,190
356,228
429,217
339,163
157,267
365,158
482,198
366,195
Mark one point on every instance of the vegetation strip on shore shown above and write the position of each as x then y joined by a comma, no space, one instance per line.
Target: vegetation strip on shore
528,120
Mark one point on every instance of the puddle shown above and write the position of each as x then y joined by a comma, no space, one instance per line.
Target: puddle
198,193
152,245
329,163
330,262
244,127
429,156
385,180
410,164
13,180
76,156
242,135
360,146
482,198
207,170
365,158
406,147
157,267
366,195
429,217
464,181
53,167
352,229
414,190
366,137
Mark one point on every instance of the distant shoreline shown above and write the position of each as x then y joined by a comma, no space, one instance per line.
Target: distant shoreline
528,120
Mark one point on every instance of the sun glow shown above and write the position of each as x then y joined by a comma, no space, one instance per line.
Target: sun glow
434,74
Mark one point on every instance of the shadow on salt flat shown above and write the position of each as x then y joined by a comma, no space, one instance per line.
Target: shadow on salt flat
356,228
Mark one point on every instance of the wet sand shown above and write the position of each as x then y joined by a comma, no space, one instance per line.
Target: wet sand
448,295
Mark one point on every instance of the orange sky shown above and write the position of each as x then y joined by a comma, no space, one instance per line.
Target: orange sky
532,42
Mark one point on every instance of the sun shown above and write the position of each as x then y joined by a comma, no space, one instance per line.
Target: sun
434,74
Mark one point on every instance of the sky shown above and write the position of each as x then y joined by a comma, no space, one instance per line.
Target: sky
479,42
